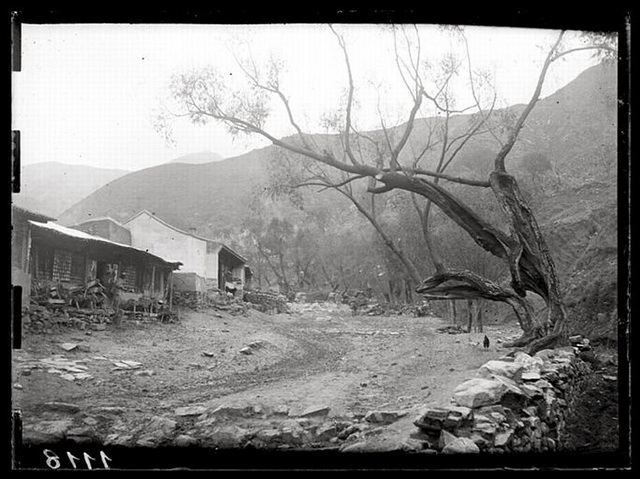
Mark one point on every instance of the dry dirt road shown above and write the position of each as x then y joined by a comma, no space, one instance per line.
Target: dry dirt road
320,355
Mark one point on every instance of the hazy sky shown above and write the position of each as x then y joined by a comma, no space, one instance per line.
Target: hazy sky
88,94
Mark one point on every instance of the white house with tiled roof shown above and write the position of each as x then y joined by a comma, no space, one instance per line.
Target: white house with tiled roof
210,260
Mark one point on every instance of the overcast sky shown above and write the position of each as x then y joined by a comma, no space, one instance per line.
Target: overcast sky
88,94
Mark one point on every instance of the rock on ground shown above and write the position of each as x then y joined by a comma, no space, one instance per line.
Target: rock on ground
461,445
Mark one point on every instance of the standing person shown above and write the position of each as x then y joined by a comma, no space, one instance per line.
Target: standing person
117,287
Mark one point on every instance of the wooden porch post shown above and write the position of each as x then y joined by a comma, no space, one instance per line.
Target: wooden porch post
170,289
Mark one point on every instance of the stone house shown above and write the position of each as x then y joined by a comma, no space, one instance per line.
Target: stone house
208,265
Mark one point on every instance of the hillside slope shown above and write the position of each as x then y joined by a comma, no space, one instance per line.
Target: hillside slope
51,187
197,158
574,129
201,196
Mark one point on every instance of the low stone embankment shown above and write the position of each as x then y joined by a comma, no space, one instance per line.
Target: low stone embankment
518,403
40,319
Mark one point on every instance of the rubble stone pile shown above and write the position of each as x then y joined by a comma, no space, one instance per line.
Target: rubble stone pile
42,319
191,299
390,309
267,302
518,403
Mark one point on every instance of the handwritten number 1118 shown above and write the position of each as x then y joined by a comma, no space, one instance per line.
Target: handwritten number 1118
53,460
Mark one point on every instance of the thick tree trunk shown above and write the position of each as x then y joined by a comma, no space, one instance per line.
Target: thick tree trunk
479,326
474,318
452,311
531,264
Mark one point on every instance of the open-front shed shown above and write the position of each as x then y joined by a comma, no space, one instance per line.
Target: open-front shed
70,259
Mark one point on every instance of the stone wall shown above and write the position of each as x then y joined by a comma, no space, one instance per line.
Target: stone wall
518,403
267,302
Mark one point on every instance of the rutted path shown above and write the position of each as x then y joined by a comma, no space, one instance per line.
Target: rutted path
215,377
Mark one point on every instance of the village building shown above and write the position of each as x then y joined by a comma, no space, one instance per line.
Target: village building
71,259
107,228
20,248
208,265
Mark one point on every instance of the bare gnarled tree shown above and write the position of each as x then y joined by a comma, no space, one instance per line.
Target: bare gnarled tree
382,162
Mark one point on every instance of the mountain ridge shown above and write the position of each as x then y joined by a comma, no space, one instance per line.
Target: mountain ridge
214,188
51,187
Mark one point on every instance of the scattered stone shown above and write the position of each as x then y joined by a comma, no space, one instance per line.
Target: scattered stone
207,354
457,415
185,440
162,424
80,431
246,350
511,370
280,410
98,327
227,437
461,445
484,425
125,364
117,440
360,446
157,432
145,372
610,378
445,439
17,386
147,441
91,421
325,432
588,357
267,435
432,419
233,411
384,417
350,430
190,411
503,438
46,431
108,410
479,392
61,407
315,411
531,376
574,340
69,346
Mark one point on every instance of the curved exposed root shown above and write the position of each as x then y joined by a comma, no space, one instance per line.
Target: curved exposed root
522,341
549,341
534,342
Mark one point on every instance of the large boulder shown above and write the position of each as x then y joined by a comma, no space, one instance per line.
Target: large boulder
512,370
479,392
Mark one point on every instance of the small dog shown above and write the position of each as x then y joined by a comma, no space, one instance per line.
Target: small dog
486,342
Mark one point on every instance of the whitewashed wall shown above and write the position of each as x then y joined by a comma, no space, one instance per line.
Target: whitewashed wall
149,234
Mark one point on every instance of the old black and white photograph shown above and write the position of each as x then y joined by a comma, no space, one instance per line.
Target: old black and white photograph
317,246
